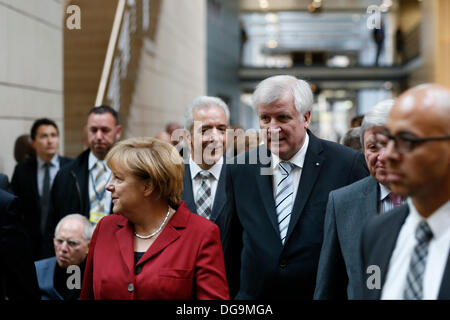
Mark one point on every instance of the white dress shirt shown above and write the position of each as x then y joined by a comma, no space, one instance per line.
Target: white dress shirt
93,173
386,203
298,159
213,178
53,170
438,252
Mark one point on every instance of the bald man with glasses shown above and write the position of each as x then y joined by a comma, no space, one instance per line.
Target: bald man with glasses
410,245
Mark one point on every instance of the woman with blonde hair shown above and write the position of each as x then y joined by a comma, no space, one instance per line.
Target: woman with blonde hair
153,247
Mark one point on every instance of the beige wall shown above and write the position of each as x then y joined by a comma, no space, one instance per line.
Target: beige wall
173,71
435,44
31,76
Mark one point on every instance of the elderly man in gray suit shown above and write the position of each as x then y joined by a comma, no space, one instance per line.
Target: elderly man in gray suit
348,208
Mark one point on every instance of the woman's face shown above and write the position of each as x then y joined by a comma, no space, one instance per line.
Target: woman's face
127,191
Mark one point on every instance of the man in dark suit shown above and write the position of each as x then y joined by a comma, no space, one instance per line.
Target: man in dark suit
71,242
207,119
17,274
348,208
405,253
81,186
4,182
280,190
32,182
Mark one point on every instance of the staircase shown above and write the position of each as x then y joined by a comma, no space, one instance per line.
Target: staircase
101,60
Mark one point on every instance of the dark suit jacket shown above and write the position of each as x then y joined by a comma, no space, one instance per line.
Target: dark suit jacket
25,186
70,192
378,241
17,274
184,262
269,269
340,270
230,229
4,183
45,270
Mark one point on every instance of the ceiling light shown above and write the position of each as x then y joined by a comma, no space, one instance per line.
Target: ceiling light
264,4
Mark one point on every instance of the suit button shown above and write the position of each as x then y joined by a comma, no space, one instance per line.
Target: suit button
130,287
283,263
137,270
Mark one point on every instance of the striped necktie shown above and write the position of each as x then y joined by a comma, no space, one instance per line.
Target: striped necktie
204,195
414,278
284,197
98,198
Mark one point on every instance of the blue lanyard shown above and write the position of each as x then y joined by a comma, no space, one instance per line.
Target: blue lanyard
99,196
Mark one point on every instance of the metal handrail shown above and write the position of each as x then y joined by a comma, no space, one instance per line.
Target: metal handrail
110,52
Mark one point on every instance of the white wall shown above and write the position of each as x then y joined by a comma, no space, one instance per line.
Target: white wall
31,70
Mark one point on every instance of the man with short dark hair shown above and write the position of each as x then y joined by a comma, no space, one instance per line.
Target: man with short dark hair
81,186
32,182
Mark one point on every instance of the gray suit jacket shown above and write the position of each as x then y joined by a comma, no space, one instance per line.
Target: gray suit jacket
340,269
45,270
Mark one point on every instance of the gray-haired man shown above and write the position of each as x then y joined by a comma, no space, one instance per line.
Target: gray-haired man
205,192
339,274
72,236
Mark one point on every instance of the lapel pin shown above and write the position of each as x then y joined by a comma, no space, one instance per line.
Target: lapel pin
317,164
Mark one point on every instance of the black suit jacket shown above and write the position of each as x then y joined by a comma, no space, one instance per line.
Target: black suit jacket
24,185
378,241
269,269
70,192
230,229
4,182
18,279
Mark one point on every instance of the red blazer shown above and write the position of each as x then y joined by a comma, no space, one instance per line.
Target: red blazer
184,262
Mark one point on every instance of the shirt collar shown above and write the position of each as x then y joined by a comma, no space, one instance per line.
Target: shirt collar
54,162
439,221
214,170
298,159
384,191
93,160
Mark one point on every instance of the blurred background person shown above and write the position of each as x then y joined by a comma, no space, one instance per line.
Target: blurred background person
356,121
411,244
71,243
352,139
23,149
32,181
4,182
169,253
17,274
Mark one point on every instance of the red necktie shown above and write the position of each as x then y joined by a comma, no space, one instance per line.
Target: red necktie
396,199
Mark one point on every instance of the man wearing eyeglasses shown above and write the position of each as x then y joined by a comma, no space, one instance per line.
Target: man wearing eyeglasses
56,282
348,208
410,245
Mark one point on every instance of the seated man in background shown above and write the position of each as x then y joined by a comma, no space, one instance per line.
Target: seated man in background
72,236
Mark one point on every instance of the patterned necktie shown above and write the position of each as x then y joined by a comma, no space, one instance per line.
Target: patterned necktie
414,278
98,199
284,197
396,199
204,195
45,198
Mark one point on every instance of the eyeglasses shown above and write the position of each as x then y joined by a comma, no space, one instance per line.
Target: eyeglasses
71,243
405,142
